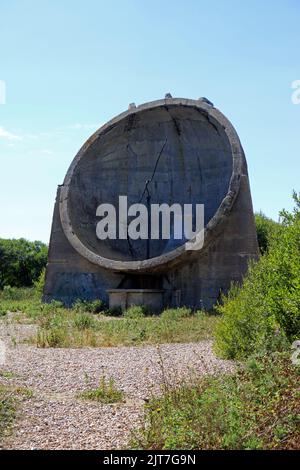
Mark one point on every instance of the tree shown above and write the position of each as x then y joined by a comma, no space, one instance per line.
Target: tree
266,308
266,229
21,261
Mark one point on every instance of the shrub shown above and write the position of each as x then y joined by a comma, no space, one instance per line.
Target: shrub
21,261
83,321
266,230
94,306
265,310
136,311
40,283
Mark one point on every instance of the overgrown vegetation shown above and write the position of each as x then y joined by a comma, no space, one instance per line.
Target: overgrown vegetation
21,262
90,324
10,398
63,329
105,393
266,229
264,313
256,408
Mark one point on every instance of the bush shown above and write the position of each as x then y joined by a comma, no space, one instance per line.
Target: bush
83,321
93,306
136,311
266,310
40,283
21,262
266,230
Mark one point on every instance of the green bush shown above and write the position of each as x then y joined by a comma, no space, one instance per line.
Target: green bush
266,230
83,321
40,283
92,306
136,311
265,310
21,261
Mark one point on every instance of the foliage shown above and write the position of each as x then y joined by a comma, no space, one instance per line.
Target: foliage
10,398
265,310
257,407
7,410
77,327
65,330
21,262
176,313
105,393
40,283
93,306
83,321
266,230
136,311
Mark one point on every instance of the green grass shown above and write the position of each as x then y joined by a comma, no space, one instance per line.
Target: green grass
105,393
258,407
87,323
10,399
65,330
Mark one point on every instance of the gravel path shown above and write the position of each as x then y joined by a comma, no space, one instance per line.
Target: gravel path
55,419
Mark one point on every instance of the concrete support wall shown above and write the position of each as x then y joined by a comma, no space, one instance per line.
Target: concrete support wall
69,276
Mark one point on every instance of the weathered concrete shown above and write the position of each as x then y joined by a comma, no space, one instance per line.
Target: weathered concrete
202,162
124,298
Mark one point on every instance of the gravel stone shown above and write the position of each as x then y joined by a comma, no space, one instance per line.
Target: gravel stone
55,418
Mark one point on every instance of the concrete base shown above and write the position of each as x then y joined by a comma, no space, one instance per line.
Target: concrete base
124,298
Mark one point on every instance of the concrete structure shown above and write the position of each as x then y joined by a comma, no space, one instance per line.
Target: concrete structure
170,150
124,298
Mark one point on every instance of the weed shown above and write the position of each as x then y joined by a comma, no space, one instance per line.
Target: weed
105,393
95,306
83,321
10,398
257,407
176,313
136,311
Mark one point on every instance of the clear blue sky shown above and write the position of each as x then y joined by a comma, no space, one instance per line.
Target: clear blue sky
69,66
